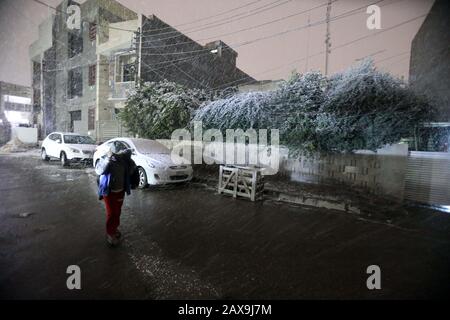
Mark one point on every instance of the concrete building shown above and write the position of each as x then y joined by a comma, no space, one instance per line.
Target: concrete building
159,52
15,103
15,108
82,77
430,58
68,77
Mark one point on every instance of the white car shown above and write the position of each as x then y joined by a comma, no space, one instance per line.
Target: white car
68,147
153,160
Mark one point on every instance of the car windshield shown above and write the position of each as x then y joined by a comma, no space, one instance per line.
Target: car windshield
74,139
150,146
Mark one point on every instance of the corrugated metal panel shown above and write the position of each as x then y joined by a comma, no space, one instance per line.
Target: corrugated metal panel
108,129
427,177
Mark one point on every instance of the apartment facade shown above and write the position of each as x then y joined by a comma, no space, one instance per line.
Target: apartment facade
82,77
68,77
157,52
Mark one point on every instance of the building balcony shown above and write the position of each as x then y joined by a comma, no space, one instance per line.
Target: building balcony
121,90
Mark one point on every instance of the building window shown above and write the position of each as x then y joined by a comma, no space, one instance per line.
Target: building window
91,118
92,74
75,83
75,43
74,116
92,31
125,68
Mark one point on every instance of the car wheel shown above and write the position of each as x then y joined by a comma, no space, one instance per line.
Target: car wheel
64,160
142,178
44,155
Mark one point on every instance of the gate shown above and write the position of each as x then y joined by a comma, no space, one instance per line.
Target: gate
239,181
427,177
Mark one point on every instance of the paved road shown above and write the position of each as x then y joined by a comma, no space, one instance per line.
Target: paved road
188,242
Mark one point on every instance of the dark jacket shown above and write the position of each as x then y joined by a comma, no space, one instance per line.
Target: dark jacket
102,169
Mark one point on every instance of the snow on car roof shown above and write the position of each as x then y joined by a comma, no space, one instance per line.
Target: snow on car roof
149,146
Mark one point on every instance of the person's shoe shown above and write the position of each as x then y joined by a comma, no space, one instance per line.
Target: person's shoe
118,234
112,240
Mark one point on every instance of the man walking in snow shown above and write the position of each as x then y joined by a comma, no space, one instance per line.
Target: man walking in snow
117,174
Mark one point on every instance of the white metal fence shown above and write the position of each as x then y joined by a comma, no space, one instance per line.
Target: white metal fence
108,129
427,177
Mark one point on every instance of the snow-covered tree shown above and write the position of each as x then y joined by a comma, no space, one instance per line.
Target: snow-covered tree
360,108
298,103
155,109
368,109
291,108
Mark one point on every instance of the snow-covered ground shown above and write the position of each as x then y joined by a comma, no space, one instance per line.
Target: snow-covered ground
15,146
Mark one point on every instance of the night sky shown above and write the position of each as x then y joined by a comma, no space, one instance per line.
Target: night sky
272,58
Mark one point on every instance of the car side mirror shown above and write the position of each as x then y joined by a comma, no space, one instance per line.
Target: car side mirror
133,151
58,141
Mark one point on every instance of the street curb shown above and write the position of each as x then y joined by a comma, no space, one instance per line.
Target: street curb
311,200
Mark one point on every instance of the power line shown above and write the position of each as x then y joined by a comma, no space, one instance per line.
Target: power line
237,17
322,52
327,36
341,46
382,31
207,18
62,12
340,16
216,15
247,28
394,56
215,24
371,55
346,14
395,62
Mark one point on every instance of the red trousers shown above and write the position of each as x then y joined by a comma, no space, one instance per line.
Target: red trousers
113,203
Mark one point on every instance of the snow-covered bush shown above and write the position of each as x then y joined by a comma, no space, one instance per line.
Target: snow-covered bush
244,110
369,108
360,108
298,103
292,109
155,109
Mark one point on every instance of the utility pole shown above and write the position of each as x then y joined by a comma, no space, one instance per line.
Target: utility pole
307,44
328,37
137,61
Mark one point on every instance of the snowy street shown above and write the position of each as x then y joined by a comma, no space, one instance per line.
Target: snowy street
189,242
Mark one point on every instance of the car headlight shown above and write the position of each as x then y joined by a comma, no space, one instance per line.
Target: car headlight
74,150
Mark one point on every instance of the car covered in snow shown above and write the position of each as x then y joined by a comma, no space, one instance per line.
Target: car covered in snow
152,159
68,147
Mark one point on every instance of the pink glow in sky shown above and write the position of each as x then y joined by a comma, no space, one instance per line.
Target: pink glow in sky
273,58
